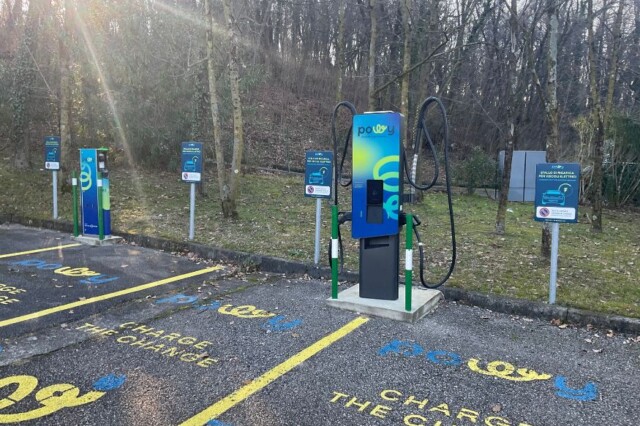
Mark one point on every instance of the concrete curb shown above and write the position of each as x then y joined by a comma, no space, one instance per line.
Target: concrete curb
250,261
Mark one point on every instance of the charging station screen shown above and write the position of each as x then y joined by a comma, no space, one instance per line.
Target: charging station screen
377,167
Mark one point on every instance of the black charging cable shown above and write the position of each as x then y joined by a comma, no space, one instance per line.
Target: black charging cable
422,134
337,172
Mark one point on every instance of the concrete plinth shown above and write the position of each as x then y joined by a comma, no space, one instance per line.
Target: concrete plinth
423,302
95,241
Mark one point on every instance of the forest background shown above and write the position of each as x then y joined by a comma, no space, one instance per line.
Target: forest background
257,80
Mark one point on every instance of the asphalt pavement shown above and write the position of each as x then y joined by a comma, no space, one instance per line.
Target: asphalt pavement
125,335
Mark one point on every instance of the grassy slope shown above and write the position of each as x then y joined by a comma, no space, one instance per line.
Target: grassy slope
596,272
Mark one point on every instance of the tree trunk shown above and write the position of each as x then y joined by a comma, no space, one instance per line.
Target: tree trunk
238,135
22,89
372,55
405,8
511,120
551,107
66,144
215,115
597,153
340,49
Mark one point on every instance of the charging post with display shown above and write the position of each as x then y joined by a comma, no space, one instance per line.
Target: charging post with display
377,200
95,204
379,170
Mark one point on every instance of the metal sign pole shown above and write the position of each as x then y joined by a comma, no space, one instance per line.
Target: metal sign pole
192,210
555,236
316,256
55,194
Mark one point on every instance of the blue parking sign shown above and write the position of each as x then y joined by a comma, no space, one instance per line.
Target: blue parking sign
52,153
191,162
557,192
318,174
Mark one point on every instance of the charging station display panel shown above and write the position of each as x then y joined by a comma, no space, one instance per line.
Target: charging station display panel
377,174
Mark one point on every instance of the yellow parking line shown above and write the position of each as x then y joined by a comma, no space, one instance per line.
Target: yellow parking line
39,250
107,296
279,370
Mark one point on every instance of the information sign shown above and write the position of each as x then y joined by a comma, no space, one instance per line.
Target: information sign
191,162
52,152
557,192
318,174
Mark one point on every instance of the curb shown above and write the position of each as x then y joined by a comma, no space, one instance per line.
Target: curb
495,303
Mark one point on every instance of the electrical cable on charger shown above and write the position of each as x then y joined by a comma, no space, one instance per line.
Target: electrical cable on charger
422,132
338,173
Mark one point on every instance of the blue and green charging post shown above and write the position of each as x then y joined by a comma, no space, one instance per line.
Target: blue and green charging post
377,200
95,204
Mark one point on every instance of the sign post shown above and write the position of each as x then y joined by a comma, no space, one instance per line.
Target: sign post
556,201
52,162
317,184
192,173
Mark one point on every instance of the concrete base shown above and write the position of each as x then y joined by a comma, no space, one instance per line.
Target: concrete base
423,302
94,241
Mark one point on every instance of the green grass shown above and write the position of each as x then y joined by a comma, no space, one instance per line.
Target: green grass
598,272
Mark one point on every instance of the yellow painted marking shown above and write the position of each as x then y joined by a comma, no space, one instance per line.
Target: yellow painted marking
52,398
276,372
107,296
2,256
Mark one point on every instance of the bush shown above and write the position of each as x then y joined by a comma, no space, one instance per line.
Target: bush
477,171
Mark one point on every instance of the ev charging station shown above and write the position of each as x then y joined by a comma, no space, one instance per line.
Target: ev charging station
95,202
377,200
377,215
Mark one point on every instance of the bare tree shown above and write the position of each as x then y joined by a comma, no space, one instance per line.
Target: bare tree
342,8
225,192
372,54
550,101
230,210
512,59
65,48
406,10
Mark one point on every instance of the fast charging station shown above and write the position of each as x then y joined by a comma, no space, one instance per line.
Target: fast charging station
377,201
377,216
95,200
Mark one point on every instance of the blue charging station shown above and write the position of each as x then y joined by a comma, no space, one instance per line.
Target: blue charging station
377,216
94,183
377,200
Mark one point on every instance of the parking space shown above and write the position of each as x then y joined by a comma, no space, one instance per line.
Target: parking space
46,280
267,350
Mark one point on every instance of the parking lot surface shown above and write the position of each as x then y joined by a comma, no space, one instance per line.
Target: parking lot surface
129,336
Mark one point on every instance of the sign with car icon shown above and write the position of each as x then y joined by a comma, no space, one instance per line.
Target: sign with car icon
191,162
318,174
556,197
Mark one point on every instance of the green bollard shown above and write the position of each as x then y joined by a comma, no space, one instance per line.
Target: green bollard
334,252
408,272
74,192
100,218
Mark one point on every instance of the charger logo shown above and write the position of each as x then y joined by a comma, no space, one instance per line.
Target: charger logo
378,129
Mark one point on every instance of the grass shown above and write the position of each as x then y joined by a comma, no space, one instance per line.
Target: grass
597,272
